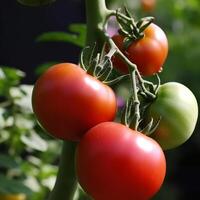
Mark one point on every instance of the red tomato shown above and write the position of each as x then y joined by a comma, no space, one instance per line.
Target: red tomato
148,53
148,5
114,162
67,101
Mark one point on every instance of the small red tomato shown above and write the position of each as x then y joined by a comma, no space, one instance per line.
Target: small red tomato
114,162
67,101
148,53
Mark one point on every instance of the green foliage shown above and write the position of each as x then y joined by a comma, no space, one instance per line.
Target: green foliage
11,186
77,35
7,161
26,154
43,67
35,2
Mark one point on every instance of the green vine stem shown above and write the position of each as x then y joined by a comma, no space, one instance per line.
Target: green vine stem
135,123
97,15
131,67
66,182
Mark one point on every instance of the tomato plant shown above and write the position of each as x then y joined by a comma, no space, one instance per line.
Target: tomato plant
178,109
148,53
115,163
67,101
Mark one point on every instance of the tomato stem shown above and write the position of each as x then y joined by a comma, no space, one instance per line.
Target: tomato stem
96,16
66,182
135,122
131,66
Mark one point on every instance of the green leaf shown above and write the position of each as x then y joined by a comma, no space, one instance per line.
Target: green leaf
10,186
8,162
34,141
4,135
21,96
35,2
9,77
77,35
43,67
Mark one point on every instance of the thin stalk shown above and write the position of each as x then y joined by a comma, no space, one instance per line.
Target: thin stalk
66,182
135,123
97,15
132,66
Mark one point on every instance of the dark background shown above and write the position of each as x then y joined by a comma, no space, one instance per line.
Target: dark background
20,25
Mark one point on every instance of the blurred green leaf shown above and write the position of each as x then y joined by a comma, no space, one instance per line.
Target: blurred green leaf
32,183
4,135
21,96
8,186
35,2
34,141
77,35
13,75
9,77
43,67
7,161
49,182
23,123
48,171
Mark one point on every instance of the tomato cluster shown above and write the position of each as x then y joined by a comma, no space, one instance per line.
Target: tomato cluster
113,161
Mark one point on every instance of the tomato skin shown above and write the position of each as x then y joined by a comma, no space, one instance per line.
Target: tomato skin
148,5
114,162
148,53
178,109
67,101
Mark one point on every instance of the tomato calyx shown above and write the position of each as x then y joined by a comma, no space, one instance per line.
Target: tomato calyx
100,65
133,115
130,29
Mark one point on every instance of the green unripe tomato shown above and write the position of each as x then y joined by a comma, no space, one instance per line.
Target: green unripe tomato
178,109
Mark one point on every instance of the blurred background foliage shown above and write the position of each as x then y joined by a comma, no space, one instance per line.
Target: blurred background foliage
28,157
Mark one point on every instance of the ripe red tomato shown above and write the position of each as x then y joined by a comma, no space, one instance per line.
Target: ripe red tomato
114,162
148,5
148,53
67,101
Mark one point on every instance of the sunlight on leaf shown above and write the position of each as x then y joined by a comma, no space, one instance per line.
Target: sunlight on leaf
34,141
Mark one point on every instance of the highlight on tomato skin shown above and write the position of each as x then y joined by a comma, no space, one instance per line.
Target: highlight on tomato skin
148,53
114,162
67,101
